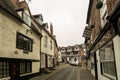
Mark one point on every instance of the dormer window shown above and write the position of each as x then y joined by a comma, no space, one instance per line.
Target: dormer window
63,49
26,19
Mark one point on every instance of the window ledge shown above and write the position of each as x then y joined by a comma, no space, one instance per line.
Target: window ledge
109,76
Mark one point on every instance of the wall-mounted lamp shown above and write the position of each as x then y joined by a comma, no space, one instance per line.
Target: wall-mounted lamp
92,25
99,4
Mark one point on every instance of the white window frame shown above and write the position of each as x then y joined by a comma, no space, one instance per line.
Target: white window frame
26,19
105,58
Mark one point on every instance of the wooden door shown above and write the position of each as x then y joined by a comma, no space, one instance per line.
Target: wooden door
14,71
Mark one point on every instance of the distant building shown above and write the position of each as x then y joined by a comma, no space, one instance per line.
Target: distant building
49,46
59,56
71,54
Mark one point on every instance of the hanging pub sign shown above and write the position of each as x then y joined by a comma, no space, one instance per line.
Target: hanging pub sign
87,32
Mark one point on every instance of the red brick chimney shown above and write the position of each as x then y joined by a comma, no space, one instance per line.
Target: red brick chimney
15,1
20,3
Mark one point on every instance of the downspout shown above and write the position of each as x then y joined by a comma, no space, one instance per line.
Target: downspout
40,53
96,71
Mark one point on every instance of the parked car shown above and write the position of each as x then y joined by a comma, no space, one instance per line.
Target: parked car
74,61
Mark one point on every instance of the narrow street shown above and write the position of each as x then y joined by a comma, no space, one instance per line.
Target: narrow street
66,72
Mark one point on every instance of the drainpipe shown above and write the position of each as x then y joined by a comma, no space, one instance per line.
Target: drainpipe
95,63
40,52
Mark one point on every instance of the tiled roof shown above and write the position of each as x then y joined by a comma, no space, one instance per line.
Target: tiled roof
9,7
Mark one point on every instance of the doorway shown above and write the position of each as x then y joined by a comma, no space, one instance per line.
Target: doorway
14,71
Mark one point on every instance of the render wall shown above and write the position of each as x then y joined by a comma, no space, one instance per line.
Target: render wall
116,41
8,28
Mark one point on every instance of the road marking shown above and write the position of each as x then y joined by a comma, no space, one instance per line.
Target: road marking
78,73
72,72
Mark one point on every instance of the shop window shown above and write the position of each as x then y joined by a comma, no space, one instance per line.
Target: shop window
108,61
4,69
23,42
25,67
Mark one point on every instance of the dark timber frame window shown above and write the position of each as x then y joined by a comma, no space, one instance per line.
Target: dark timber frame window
4,69
24,42
25,67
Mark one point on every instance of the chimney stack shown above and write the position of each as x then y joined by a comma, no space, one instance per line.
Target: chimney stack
51,28
15,1
20,3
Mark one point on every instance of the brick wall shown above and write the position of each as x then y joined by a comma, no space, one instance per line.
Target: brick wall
95,18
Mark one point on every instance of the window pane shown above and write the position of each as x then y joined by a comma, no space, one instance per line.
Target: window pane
107,60
4,69
24,42
109,68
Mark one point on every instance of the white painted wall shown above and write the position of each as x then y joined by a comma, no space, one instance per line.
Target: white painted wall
42,60
50,61
35,67
47,49
98,64
100,76
59,57
8,28
103,10
116,42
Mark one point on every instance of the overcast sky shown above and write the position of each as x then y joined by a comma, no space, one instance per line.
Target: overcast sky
67,16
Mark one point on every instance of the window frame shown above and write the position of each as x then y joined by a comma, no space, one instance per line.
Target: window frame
45,41
23,42
26,18
25,68
50,45
104,62
4,69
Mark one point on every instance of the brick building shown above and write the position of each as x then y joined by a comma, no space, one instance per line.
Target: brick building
102,42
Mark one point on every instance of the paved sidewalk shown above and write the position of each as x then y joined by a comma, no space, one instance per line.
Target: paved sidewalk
85,74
